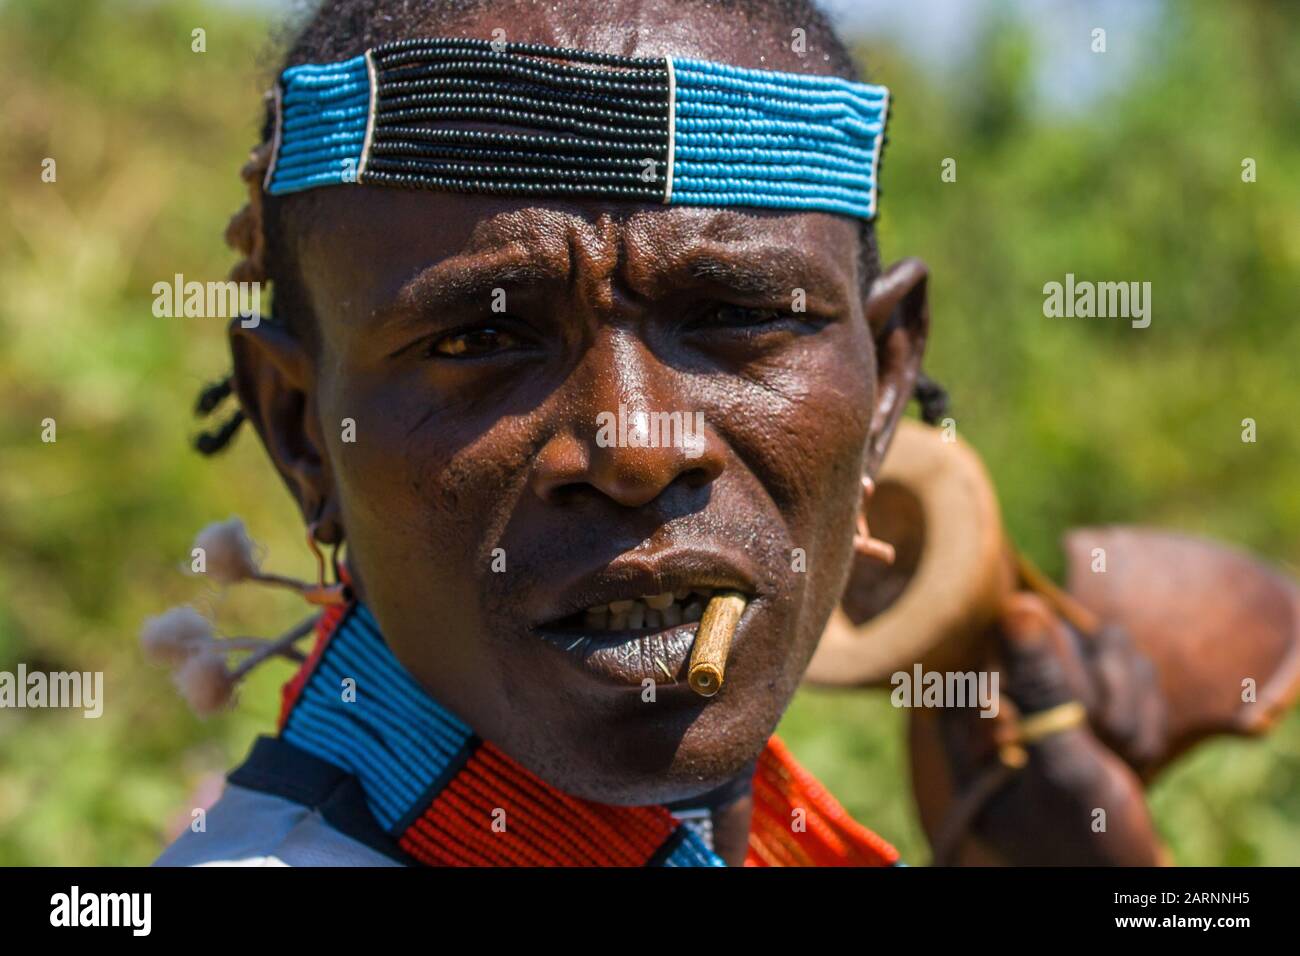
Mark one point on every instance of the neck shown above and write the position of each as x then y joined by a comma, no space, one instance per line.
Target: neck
731,830
446,796
730,809
440,795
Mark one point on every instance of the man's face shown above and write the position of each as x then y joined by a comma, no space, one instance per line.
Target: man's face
484,513
479,345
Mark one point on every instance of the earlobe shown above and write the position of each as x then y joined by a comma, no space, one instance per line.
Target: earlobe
864,543
275,380
898,312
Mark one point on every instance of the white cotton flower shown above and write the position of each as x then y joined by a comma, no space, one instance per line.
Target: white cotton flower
228,551
173,636
205,682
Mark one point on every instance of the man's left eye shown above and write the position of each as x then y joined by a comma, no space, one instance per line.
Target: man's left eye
472,343
740,316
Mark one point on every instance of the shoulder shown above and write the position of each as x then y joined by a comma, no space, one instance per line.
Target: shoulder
248,828
273,814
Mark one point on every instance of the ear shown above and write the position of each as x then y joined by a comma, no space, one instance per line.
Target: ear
899,315
275,380
864,542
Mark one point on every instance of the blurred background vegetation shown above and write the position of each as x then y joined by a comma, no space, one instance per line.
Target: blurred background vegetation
1124,165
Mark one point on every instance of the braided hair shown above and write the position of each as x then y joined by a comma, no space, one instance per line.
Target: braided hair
244,234
263,230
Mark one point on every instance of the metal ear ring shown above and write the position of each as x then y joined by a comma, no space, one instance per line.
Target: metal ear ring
863,542
325,595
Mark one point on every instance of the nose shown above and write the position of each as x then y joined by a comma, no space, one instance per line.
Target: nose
632,430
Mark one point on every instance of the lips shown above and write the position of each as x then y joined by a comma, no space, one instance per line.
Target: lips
636,618
645,612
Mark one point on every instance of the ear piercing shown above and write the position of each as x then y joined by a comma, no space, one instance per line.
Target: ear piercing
325,595
863,541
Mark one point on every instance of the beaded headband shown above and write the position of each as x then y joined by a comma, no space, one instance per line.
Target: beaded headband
649,129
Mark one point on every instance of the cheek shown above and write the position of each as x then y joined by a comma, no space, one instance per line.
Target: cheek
802,426
424,495
817,441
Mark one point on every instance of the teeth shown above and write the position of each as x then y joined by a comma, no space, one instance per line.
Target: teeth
650,611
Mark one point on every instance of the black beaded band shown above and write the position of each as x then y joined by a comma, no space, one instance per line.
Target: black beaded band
412,113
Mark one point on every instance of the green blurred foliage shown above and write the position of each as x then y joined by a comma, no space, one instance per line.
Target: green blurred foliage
1080,420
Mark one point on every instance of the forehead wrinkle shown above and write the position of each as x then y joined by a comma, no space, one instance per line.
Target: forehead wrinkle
663,251
470,276
503,249
580,252
595,254
523,225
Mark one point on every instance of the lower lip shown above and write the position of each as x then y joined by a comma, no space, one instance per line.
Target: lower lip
629,658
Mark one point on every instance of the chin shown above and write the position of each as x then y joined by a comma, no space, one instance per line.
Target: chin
681,749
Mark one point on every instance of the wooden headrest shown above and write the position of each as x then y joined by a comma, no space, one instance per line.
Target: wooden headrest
934,502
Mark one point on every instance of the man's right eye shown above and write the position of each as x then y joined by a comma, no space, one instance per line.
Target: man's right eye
472,343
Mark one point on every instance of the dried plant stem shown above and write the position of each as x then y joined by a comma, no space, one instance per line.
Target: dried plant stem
238,643
281,645
280,581
230,644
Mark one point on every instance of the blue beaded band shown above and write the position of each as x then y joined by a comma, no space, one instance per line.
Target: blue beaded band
677,131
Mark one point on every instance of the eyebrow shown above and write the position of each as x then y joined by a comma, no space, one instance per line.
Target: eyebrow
455,284
771,273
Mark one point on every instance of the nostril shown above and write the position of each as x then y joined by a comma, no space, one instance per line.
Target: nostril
567,493
699,476
560,468
568,467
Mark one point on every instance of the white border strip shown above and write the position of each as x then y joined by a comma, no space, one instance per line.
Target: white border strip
275,138
370,116
875,153
672,127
